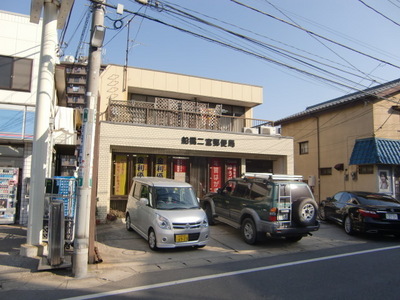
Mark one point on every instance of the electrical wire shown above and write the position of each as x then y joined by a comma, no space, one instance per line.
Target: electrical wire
315,34
323,44
379,13
258,55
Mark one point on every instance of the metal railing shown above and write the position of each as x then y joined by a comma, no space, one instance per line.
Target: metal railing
135,112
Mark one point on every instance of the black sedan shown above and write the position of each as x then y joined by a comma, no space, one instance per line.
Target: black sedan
363,212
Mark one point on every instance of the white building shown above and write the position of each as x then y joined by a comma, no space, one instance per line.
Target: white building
19,64
19,61
188,128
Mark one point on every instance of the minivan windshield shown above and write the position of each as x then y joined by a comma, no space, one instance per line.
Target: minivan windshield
169,198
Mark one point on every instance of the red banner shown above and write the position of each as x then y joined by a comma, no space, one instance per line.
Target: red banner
215,174
231,170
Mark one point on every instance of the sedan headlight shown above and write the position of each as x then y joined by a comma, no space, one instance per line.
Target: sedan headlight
163,222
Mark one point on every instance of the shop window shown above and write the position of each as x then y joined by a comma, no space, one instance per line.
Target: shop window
325,171
303,148
369,169
259,166
231,110
15,73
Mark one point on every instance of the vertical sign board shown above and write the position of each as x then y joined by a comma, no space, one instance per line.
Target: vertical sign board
231,170
8,194
120,175
215,175
180,169
141,166
161,166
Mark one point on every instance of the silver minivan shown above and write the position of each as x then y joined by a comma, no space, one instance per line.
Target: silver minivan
166,213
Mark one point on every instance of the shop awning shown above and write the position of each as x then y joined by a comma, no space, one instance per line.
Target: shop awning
376,151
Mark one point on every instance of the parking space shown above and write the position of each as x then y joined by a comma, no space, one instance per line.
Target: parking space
118,246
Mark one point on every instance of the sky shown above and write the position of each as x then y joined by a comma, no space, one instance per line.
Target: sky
301,52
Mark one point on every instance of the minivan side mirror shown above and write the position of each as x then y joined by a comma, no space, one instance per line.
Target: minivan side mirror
144,201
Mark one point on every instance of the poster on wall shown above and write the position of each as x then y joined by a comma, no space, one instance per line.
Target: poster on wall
141,166
161,166
120,174
231,170
384,181
180,169
215,175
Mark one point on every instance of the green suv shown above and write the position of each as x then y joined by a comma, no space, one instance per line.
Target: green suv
263,204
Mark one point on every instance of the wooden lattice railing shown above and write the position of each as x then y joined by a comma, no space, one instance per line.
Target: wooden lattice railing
135,112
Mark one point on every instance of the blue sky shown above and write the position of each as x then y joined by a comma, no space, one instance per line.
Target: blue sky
358,46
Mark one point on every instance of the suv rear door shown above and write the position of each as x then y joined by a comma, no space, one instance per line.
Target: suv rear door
239,199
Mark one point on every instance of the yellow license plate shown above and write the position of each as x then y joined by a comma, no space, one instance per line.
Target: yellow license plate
179,238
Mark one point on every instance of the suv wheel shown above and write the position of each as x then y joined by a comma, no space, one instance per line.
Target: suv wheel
305,212
249,231
209,214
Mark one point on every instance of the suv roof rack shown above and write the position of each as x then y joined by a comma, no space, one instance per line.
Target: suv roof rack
271,176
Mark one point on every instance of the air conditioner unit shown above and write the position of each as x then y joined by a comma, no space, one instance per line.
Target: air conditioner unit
267,130
250,130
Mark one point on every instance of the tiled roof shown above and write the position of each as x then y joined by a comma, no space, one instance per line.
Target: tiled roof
376,151
386,88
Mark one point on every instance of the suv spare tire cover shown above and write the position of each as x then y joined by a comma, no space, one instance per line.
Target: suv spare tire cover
304,211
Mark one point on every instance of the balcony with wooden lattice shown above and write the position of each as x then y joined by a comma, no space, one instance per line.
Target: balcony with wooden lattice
177,113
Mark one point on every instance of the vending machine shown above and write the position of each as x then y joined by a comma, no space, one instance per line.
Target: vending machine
8,194
61,189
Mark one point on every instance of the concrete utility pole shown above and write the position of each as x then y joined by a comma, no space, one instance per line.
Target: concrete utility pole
41,138
81,242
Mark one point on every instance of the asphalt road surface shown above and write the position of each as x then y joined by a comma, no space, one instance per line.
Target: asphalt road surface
347,273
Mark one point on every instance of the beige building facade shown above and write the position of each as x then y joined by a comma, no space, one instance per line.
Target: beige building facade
348,143
188,128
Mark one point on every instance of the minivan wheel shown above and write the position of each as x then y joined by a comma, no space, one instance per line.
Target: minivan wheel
305,212
128,223
249,231
152,240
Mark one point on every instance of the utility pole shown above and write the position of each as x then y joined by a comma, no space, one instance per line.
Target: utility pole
41,138
81,242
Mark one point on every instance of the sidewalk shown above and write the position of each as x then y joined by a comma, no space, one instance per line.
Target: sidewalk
125,254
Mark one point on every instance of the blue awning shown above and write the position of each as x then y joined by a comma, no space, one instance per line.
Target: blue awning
376,151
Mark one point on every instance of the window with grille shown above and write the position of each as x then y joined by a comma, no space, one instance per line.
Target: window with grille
303,146
325,171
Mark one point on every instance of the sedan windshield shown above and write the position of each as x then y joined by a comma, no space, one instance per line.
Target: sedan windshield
175,198
378,200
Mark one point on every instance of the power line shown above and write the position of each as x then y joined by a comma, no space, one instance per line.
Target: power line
315,34
379,13
323,44
247,51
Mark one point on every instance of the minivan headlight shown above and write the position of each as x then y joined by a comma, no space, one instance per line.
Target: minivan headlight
205,222
163,222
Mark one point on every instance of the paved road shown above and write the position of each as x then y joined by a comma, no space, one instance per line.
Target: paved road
127,260
354,272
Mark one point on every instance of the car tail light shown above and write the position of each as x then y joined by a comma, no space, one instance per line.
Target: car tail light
368,213
273,212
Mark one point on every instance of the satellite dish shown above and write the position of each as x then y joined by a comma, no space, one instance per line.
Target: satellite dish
69,58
